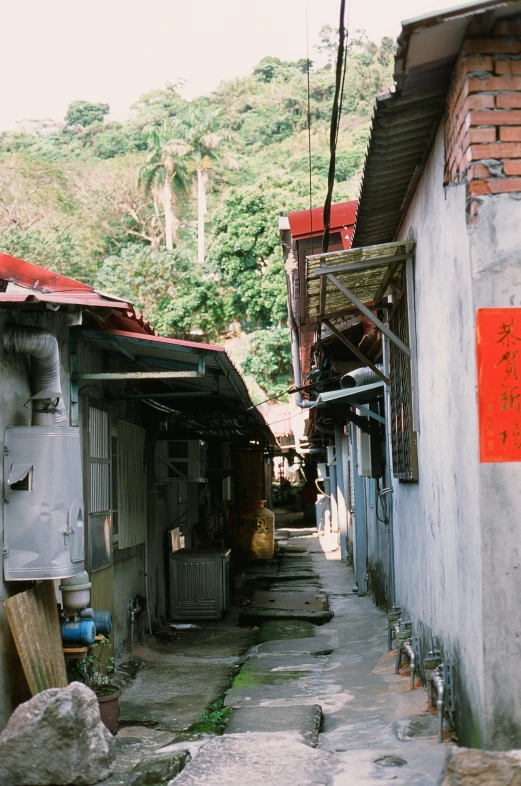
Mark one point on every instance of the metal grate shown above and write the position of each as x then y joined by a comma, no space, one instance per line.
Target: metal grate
405,458
132,510
99,461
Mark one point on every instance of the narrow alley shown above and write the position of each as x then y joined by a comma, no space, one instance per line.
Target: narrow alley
311,694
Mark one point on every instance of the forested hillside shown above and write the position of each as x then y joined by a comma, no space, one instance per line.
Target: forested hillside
124,205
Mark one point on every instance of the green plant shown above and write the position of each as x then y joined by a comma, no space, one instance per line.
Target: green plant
215,717
95,670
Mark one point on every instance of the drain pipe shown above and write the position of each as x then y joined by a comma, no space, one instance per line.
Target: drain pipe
402,632
46,390
295,348
407,646
439,684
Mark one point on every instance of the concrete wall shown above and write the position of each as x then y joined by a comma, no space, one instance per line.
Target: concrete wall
438,540
14,395
496,282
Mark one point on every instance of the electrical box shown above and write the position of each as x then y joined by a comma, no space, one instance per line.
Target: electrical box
363,445
199,583
44,515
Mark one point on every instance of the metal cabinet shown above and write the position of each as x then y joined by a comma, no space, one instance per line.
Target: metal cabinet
199,583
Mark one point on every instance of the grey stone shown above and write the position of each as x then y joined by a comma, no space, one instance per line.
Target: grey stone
56,738
465,767
255,759
161,767
305,719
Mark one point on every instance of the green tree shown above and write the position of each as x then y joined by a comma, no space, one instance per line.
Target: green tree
164,173
246,249
269,360
199,128
168,288
83,113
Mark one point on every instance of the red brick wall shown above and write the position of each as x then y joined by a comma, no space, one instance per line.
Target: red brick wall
483,122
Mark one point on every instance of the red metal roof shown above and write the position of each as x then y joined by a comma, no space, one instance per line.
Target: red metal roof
310,223
47,286
164,340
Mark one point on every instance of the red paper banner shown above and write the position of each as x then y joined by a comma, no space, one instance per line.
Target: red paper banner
498,339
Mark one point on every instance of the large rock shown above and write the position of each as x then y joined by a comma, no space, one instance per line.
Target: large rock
56,738
466,767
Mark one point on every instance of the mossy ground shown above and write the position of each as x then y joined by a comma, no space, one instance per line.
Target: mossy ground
285,629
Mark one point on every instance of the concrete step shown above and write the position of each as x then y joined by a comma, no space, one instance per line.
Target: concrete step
252,616
304,719
318,645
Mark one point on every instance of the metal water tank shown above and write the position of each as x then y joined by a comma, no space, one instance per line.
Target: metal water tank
44,514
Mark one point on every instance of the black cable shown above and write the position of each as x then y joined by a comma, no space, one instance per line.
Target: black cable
335,123
309,132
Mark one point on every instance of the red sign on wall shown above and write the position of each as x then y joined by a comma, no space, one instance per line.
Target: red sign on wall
498,337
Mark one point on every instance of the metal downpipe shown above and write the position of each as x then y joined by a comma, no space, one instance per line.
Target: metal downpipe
295,353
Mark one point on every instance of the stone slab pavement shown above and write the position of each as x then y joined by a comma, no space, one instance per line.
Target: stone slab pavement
365,706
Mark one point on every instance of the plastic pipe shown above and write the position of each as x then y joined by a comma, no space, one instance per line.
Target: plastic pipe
439,684
407,646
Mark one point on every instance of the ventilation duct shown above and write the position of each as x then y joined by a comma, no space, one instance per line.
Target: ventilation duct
46,390
359,377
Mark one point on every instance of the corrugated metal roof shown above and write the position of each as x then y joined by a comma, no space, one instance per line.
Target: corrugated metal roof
308,223
405,121
29,283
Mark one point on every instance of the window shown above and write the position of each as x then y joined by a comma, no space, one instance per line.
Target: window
99,499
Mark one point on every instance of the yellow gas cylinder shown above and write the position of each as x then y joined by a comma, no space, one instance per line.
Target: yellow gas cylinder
253,530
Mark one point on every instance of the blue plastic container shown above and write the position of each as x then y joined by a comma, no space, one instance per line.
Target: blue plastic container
82,632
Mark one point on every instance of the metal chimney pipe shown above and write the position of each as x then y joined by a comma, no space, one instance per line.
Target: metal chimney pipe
359,377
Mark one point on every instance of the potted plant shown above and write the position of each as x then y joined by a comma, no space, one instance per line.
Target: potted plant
95,671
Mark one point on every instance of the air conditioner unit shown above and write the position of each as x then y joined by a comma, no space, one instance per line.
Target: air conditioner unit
199,583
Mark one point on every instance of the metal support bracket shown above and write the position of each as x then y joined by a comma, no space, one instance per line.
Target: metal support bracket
354,349
367,411
369,314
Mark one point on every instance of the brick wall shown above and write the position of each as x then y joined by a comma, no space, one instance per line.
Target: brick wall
483,121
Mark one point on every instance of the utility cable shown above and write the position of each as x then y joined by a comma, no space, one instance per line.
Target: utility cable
335,123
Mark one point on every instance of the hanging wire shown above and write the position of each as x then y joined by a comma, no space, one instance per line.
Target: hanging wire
309,130
335,122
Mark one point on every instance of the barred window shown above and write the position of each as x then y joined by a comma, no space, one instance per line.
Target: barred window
403,435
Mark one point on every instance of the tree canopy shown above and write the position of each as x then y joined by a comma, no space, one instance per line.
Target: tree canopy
87,196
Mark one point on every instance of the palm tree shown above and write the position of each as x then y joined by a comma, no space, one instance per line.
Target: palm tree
165,173
199,129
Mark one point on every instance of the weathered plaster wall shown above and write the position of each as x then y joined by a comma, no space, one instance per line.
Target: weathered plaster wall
438,545
496,281
14,394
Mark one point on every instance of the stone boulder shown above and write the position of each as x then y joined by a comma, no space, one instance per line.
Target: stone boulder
56,738
466,767
161,766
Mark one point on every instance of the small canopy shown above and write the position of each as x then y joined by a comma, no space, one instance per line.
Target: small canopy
368,273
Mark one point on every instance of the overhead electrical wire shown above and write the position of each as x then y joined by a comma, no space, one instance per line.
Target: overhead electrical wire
335,122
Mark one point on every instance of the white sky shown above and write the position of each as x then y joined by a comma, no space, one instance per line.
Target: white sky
56,51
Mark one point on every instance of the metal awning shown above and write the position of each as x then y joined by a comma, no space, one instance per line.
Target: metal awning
369,273
355,397
166,371
345,280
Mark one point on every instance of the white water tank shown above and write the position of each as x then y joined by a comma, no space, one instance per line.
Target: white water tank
44,514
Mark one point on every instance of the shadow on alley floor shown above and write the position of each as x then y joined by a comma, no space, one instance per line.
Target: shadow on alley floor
305,700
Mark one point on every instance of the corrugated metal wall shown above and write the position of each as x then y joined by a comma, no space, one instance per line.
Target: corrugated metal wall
132,492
